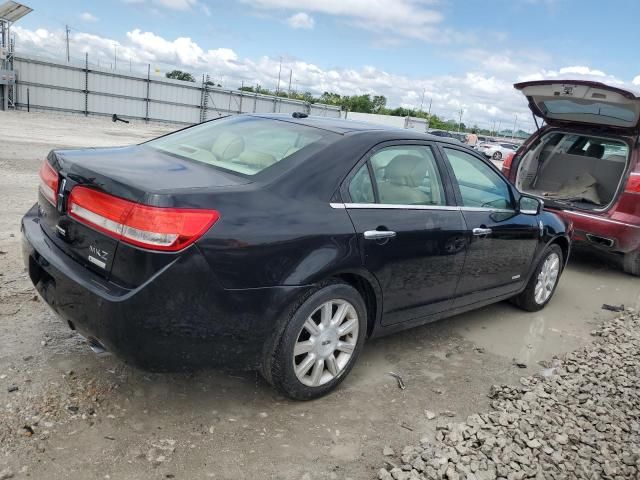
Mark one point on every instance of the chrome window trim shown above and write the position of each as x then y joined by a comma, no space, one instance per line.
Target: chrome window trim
391,206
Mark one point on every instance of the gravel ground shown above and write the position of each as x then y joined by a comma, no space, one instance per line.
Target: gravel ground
579,418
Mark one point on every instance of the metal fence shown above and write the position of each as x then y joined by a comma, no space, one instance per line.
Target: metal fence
48,85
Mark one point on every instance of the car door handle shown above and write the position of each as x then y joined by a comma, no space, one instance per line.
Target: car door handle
378,234
481,231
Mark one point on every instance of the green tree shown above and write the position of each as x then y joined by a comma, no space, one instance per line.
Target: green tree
180,75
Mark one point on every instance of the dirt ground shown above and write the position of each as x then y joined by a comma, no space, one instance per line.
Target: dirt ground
78,416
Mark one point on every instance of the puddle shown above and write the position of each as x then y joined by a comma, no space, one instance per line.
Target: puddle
564,325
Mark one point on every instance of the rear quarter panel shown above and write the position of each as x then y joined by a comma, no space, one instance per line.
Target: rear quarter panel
264,240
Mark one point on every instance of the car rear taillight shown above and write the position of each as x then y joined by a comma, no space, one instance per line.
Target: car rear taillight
506,163
508,159
633,184
155,228
48,182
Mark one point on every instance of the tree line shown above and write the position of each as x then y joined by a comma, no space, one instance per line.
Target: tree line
356,103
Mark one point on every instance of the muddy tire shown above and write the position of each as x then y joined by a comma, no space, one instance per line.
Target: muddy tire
542,284
319,344
631,263
497,156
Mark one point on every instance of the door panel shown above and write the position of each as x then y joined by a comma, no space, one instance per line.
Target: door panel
411,236
497,262
501,241
418,269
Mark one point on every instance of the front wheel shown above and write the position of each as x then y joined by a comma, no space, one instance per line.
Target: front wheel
542,284
319,344
497,156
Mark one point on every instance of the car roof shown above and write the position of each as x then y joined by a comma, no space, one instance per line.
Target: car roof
345,126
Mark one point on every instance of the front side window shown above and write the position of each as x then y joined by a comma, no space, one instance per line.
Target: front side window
479,185
407,175
245,145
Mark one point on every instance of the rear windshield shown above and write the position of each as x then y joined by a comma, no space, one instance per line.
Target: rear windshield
582,108
246,145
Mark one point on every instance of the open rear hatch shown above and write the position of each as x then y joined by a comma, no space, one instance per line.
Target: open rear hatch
571,102
581,167
107,208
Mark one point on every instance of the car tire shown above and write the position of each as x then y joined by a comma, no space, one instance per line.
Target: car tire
497,155
531,299
325,357
631,263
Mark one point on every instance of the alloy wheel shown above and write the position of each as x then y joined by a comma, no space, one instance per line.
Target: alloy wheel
497,156
547,278
326,343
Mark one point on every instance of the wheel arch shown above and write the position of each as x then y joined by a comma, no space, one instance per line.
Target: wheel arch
368,287
565,246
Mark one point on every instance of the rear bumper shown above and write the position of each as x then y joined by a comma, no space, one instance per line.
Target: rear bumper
603,233
179,319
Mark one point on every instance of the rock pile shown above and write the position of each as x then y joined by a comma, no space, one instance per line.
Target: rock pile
578,418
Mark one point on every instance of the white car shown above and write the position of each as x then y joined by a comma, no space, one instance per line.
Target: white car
497,151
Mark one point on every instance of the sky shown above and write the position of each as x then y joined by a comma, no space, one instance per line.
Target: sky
457,55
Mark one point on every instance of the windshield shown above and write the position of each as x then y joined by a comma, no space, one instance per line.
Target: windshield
246,145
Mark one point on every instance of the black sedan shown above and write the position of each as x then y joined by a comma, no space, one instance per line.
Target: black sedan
280,243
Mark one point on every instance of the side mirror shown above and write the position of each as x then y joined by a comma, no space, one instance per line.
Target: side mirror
530,205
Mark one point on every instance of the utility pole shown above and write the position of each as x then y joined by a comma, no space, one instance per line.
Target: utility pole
422,100
460,123
513,132
279,72
498,130
429,115
115,56
66,27
290,75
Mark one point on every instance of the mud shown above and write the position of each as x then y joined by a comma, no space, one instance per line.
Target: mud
78,416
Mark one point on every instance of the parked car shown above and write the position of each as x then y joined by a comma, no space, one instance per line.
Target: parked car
497,151
277,243
585,162
446,134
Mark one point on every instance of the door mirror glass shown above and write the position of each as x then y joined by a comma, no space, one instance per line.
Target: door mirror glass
530,205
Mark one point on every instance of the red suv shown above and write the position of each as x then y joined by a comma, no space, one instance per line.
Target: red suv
585,162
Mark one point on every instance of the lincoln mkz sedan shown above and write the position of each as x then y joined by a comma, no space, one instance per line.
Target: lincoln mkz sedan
280,243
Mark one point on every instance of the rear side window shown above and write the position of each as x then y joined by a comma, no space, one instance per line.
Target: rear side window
403,175
246,145
479,185
360,187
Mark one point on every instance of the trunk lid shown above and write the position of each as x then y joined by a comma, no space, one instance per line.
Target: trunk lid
138,174
583,102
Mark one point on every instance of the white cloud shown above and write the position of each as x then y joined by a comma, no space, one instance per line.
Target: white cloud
301,20
170,4
416,19
484,92
177,4
88,17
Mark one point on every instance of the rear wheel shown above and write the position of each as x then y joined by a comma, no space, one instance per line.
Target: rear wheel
497,156
320,343
543,282
632,263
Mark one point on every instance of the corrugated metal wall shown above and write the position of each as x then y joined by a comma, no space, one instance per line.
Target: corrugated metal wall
97,91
